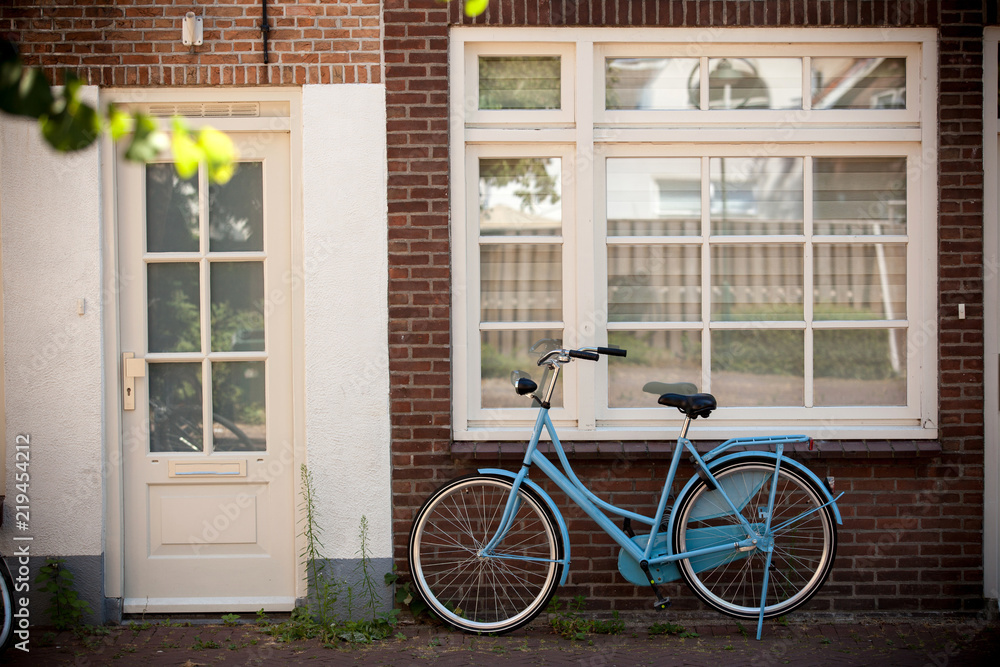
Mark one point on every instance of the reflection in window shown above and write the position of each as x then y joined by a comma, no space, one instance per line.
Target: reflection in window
859,367
757,282
237,306
649,83
751,83
859,281
521,282
173,303
520,196
653,356
859,195
654,196
756,195
238,389
758,367
175,408
654,283
171,210
505,351
236,211
519,82
858,83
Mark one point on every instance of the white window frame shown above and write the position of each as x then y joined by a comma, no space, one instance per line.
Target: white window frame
594,134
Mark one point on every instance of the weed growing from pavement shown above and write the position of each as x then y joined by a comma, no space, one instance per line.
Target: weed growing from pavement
570,624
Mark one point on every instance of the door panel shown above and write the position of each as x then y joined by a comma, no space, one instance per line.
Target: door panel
206,304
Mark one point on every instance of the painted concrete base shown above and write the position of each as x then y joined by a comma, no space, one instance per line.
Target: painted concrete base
88,581
346,572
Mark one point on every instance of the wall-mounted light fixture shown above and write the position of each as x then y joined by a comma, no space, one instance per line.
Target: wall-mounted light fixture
191,32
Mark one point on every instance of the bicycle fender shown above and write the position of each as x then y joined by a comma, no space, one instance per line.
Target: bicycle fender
770,455
563,530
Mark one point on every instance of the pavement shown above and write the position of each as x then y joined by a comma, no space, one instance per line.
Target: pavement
881,640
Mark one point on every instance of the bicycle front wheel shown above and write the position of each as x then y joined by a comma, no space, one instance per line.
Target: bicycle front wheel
6,608
472,591
804,543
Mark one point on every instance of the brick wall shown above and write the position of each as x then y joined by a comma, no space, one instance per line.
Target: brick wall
138,42
912,538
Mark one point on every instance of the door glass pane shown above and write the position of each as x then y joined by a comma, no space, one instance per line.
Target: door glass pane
505,351
754,83
520,196
171,210
752,195
238,423
175,408
236,211
237,306
519,82
521,282
650,83
859,195
654,196
859,281
758,367
858,83
653,356
654,283
173,303
859,367
757,282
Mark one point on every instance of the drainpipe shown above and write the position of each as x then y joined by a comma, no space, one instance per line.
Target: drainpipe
265,29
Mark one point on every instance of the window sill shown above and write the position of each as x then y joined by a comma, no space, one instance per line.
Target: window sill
870,449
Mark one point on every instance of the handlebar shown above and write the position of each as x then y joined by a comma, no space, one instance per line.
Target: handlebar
588,353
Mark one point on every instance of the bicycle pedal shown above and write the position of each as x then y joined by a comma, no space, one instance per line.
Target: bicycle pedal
661,604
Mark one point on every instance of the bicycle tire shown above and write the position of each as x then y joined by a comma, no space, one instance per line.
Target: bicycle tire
803,552
479,594
7,604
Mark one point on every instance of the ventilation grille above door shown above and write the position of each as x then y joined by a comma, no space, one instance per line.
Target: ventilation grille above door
206,110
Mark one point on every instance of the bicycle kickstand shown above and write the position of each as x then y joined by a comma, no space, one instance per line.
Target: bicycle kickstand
661,602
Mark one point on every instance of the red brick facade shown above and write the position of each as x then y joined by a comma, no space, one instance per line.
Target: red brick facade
912,538
138,42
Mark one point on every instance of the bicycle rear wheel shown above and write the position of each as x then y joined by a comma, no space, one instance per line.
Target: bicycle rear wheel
477,593
803,550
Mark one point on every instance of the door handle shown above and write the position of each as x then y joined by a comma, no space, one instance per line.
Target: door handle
132,368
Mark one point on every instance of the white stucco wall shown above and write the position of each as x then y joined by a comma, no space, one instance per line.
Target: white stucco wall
346,313
51,242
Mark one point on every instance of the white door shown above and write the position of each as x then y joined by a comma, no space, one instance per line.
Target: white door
205,302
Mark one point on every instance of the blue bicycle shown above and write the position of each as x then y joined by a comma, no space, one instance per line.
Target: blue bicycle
753,533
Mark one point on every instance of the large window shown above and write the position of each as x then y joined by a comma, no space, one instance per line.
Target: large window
755,218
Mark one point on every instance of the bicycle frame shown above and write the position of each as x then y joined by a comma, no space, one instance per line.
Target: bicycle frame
595,507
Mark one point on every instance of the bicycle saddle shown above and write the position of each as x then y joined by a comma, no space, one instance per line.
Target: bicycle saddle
693,405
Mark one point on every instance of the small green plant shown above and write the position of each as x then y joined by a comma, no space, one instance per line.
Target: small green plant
741,629
200,645
665,629
231,620
66,609
262,619
569,624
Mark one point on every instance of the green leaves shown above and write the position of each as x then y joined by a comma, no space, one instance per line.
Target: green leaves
66,609
69,124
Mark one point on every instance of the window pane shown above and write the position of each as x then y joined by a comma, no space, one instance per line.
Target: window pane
171,210
756,282
858,83
859,281
520,197
175,408
654,196
650,83
653,356
173,303
506,351
756,195
236,211
237,306
758,367
853,195
654,283
238,406
519,82
754,83
521,283
859,367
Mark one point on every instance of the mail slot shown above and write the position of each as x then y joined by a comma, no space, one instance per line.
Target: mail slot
215,469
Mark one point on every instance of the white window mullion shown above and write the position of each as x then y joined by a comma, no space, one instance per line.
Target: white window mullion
706,268
585,241
807,272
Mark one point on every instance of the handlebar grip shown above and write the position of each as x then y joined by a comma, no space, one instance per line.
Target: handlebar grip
589,356
612,351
